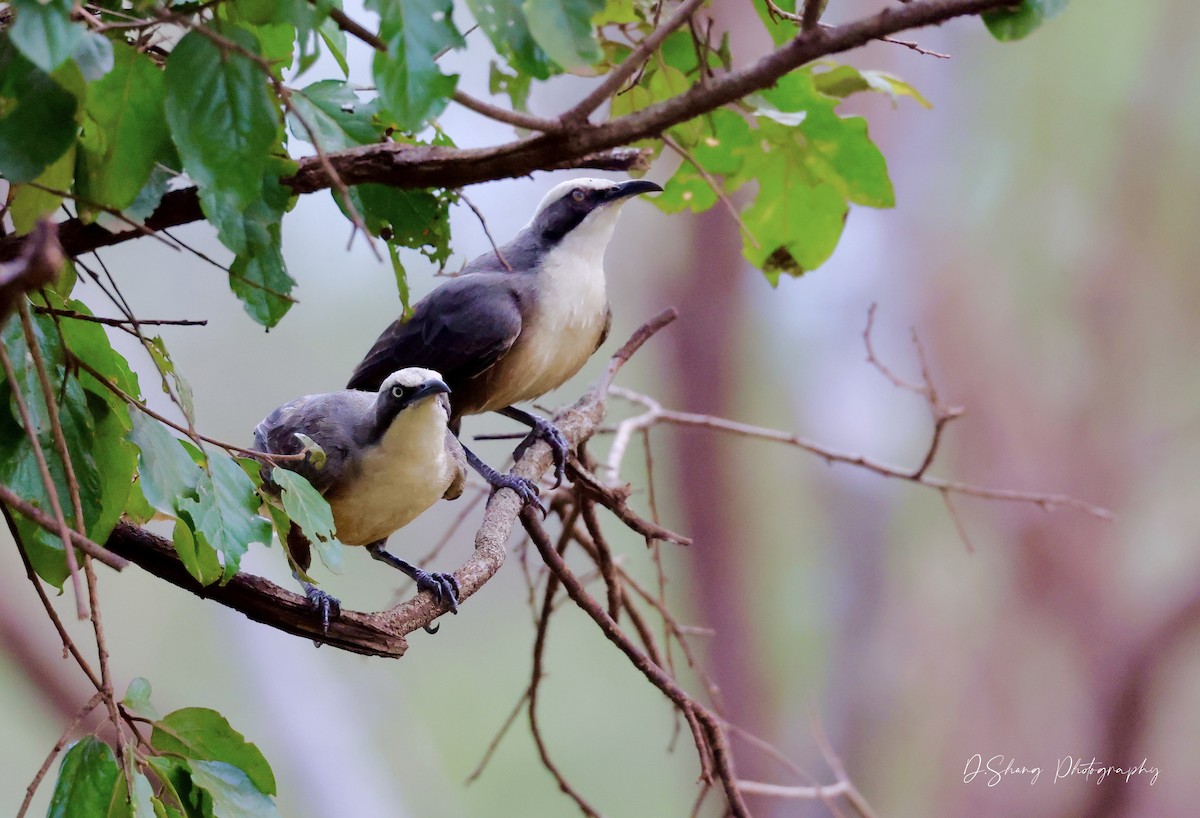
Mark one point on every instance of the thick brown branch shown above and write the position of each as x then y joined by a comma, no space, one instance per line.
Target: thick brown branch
421,166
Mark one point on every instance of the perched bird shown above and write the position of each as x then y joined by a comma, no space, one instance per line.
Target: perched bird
519,321
388,457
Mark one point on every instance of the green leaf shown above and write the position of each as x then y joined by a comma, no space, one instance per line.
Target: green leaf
94,435
27,203
843,80
233,792
124,132
410,84
418,219
225,511
335,40
88,781
686,189
142,798
161,810
401,279
223,121
137,699
1022,20
563,28
151,194
166,473
44,31
258,275
201,734
172,382
505,25
176,777
338,117
197,556
515,85
309,510
94,56
37,117
276,41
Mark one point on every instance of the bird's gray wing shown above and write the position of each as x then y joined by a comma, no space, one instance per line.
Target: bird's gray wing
607,327
332,425
459,330
455,489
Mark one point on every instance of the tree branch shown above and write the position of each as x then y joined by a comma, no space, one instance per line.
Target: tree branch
613,81
424,166
383,633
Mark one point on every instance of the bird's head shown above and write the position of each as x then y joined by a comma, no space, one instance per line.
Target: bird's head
406,390
585,209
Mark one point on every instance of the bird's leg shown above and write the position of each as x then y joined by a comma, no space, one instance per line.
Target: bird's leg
325,603
527,490
443,586
542,430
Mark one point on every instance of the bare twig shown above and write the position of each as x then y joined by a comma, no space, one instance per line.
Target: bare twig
120,323
55,750
716,186
64,531
712,734
483,222
654,416
191,433
514,118
612,81
67,642
509,720
35,515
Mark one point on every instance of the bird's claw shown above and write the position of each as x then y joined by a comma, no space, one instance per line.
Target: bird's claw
325,604
444,588
559,447
526,489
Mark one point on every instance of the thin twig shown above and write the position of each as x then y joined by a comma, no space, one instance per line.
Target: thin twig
483,222
579,112
64,531
514,118
716,186
68,644
55,750
495,742
137,404
712,733
1045,501
120,323
39,518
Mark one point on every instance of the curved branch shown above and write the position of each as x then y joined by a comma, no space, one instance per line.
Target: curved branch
423,166
383,633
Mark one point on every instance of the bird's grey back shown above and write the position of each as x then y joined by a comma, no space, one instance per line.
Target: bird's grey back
339,422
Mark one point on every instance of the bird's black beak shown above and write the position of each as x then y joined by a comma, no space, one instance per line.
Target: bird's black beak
431,387
634,187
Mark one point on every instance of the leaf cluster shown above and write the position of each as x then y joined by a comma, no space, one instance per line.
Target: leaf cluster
195,765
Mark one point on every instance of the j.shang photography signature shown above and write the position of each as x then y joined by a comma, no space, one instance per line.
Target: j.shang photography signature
999,767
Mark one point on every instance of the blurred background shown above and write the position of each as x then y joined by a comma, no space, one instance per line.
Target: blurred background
1042,246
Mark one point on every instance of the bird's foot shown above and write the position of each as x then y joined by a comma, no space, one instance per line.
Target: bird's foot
559,447
324,603
444,588
527,490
